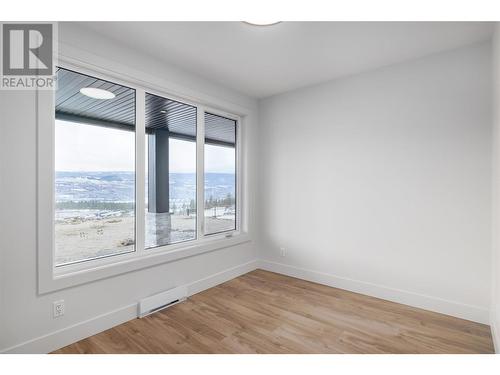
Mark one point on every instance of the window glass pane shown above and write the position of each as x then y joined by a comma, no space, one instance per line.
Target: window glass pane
94,169
220,174
170,172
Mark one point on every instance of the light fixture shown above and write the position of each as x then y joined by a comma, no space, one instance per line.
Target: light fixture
96,93
163,111
261,22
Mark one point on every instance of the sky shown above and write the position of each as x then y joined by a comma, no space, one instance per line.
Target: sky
94,148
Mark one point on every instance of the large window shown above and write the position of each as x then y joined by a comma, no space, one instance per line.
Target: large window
137,171
94,169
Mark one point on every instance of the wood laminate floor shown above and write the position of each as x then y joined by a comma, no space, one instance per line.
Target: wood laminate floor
264,312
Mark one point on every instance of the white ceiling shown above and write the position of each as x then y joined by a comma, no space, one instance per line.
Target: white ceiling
263,61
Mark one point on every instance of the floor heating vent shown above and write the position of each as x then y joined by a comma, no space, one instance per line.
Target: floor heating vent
162,300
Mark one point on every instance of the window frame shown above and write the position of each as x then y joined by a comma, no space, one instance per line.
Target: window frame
50,277
75,265
236,177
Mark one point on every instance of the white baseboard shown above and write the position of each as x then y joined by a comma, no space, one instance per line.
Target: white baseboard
495,335
456,309
221,277
68,335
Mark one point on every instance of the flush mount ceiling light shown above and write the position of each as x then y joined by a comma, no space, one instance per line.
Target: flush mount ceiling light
163,111
95,93
262,22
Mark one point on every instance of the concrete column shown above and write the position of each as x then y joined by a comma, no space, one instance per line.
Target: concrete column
158,172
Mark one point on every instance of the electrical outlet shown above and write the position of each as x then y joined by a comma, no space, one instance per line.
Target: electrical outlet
282,251
58,308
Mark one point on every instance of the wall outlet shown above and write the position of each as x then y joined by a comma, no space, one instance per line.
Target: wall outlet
282,251
58,308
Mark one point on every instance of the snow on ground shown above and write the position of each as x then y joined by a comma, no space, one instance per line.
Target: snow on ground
88,235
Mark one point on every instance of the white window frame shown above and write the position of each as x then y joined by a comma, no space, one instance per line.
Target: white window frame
51,278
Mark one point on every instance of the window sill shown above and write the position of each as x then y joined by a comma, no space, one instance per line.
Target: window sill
69,276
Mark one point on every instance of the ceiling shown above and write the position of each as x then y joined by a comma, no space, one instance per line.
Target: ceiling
264,61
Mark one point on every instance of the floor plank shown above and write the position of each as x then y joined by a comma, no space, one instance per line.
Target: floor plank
265,312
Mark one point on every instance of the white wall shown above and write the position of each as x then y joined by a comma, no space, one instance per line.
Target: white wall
381,182
26,317
495,295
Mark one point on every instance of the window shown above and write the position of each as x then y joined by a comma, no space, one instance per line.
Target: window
94,170
171,172
220,174
135,174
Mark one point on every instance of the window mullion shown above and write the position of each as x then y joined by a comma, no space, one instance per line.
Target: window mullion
140,174
200,172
